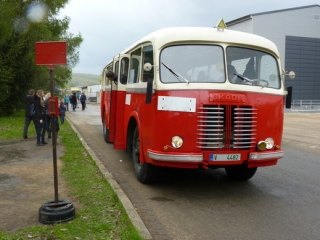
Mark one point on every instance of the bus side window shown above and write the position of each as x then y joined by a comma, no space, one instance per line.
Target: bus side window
135,66
124,70
148,58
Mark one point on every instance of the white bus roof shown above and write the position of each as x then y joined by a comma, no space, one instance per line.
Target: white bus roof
164,36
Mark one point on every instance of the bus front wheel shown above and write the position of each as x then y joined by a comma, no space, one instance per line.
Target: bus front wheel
240,173
144,171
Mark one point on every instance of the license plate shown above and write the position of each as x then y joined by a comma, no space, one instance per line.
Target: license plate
225,157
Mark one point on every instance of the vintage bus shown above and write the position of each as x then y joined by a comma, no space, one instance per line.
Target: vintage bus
193,97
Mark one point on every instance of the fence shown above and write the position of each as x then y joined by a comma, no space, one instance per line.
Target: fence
305,105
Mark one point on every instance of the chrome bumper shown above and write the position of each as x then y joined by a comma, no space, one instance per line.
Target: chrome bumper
191,158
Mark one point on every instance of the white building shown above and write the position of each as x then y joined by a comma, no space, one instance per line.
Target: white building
296,32
93,93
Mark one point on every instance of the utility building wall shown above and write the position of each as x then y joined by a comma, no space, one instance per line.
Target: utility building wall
296,32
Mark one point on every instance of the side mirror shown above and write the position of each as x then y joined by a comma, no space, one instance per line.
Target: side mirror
291,74
147,67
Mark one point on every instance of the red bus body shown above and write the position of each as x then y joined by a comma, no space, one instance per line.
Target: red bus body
215,121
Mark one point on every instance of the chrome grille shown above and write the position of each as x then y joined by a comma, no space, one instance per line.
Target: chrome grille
244,127
211,125
226,127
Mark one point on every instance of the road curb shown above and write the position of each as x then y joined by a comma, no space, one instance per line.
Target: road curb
132,213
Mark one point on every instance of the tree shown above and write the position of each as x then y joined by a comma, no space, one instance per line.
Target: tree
18,71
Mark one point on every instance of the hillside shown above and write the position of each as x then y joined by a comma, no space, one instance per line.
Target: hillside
82,79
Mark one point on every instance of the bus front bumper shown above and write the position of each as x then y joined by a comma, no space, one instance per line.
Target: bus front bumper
189,158
266,155
199,157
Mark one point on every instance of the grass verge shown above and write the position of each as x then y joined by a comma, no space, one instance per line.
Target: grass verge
99,214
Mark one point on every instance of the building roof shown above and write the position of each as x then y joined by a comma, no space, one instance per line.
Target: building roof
248,17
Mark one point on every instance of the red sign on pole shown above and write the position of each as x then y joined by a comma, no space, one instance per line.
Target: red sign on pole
51,53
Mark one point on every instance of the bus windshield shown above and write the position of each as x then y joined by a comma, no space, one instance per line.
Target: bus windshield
205,64
252,67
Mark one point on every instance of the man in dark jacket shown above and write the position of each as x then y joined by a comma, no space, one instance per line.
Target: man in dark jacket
73,101
29,113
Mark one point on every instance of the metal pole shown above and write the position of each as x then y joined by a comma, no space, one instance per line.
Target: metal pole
54,136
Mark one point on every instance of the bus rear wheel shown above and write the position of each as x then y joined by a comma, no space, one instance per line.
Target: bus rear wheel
144,171
241,173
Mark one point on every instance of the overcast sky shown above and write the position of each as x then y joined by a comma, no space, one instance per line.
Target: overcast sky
109,26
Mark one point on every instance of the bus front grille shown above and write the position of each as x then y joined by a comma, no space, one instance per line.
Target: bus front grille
224,127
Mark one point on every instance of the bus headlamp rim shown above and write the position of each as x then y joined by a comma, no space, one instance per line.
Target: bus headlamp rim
176,142
269,143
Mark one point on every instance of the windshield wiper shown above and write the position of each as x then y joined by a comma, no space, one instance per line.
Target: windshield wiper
175,74
254,82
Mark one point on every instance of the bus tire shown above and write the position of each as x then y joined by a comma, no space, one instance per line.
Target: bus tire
105,130
241,173
143,171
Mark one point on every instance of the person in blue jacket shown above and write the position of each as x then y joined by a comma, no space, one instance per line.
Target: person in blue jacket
62,112
66,102
83,99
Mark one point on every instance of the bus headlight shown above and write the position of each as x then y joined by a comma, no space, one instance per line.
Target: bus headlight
176,142
270,143
262,145
266,144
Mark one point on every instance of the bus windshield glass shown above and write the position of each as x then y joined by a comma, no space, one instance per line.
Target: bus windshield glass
205,64
192,63
252,67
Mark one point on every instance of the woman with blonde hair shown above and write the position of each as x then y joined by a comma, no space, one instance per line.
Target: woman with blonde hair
40,116
48,118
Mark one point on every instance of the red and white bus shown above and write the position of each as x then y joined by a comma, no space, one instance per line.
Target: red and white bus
192,97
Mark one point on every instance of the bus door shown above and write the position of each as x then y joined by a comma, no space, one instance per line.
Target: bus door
122,73
112,105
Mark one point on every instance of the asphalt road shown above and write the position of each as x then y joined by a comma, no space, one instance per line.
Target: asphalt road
279,202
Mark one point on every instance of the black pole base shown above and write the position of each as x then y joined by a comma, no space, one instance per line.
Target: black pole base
56,212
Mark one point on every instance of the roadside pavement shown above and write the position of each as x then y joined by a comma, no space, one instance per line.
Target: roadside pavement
26,181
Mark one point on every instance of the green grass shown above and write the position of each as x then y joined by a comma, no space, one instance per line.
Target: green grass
99,213
12,127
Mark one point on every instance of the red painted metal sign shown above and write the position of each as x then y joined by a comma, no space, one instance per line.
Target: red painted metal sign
51,53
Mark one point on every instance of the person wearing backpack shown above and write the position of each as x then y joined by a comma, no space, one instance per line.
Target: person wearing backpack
29,113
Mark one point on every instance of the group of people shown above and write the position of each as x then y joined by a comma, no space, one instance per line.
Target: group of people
37,111
74,101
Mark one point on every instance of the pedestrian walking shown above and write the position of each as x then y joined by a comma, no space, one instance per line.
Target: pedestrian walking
62,112
29,113
83,99
66,102
40,115
73,101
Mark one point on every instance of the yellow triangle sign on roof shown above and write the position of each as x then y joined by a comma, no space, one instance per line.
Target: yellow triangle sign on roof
221,24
